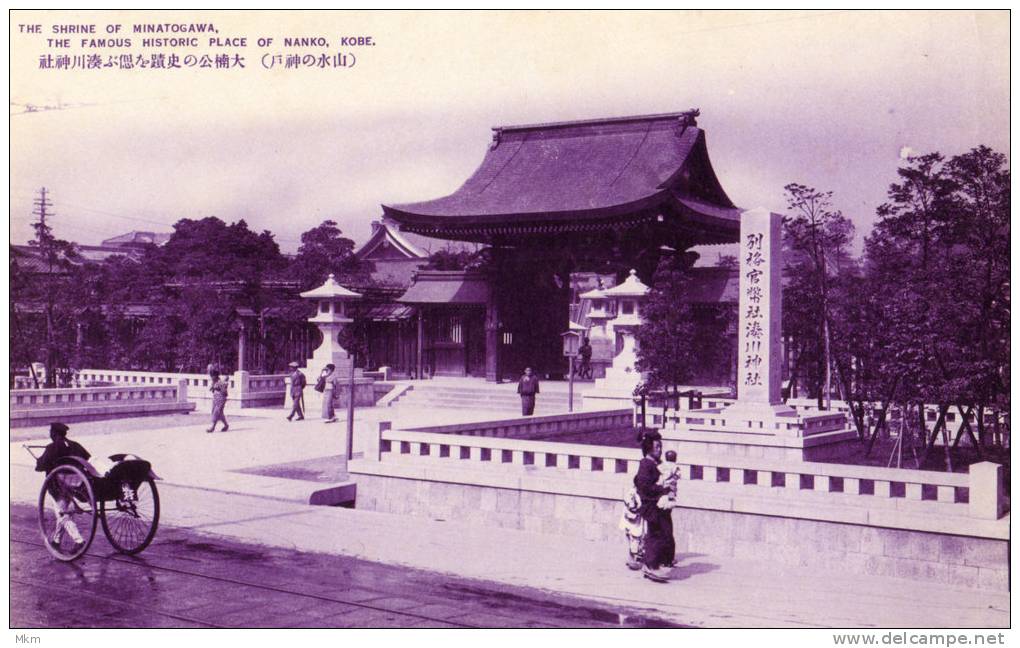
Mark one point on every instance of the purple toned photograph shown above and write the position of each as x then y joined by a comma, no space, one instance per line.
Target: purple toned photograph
679,319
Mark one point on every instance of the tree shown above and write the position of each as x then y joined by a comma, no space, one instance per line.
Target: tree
45,281
666,345
324,251
816,237
980,182
209,271
936,271
451,259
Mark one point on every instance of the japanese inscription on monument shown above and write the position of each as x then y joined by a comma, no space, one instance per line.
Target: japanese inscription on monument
760,360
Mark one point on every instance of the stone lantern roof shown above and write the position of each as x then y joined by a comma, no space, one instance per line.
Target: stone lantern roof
631,287
330,290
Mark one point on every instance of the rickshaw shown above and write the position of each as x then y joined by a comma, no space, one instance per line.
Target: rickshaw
124,501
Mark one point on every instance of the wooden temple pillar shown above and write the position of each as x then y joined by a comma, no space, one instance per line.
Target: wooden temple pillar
421,345
241,330
492,373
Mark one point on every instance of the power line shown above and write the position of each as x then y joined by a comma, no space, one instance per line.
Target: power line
131,218
152,222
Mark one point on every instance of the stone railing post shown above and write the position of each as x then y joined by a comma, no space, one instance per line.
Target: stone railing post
242,381
182,390
374,442
986,500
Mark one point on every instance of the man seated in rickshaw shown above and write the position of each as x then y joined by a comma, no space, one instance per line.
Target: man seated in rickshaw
56,453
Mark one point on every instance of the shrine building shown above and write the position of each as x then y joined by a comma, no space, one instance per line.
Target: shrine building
551,204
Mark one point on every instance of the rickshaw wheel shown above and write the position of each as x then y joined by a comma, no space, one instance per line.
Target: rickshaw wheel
131,517
67,490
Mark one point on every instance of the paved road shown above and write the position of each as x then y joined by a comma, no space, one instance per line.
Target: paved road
186,579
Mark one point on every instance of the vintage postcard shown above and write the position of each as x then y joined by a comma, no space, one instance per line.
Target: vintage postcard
511,319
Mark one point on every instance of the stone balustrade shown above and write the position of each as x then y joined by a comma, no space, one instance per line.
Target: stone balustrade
244,389
542,426
657,416
40,406
973,495
119,377
926,526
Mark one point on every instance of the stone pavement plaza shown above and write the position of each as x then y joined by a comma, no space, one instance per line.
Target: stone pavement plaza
204,489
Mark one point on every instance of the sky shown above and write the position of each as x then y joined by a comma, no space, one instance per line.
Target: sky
831,99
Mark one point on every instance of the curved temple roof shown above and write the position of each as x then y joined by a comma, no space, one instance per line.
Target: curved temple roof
580,175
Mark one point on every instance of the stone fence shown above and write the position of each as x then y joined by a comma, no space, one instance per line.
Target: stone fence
997,423
928,526
31,407
245,389
537,426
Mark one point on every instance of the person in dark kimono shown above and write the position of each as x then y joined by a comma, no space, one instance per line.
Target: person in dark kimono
527,387
659,536
297,393
218,387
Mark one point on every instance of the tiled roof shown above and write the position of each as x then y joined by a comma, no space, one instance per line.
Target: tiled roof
447,287
138,238
583,171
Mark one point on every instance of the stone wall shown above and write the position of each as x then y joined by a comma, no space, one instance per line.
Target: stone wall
924,525
962,561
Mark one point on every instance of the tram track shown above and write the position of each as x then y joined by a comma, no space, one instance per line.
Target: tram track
149,565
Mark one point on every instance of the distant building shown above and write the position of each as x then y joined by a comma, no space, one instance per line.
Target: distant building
137,240
131,245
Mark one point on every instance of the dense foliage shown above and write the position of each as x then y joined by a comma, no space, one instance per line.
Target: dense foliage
923,319
177,307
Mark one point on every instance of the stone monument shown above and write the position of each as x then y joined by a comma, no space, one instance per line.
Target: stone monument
758,423
760,332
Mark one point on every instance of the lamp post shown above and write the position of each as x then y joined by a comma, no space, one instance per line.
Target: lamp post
571,343
349,445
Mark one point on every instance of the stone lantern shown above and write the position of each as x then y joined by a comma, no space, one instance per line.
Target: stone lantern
621,310
626,298
331,316
599,313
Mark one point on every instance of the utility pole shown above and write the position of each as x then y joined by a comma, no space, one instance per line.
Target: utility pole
45,243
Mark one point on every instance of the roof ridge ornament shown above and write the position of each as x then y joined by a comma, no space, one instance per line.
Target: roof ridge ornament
497,137
688,118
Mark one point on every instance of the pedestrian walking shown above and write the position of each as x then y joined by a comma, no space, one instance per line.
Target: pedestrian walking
527,387
218,387
659,533
584,371
297,393
327,386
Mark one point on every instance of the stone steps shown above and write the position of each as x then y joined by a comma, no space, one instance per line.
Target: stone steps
493,399
477,398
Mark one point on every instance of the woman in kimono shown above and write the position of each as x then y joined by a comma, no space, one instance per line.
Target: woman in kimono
219,399
659,527
328,383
